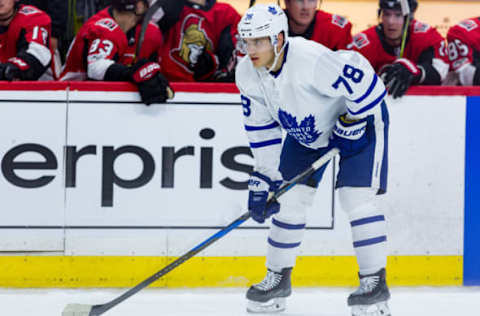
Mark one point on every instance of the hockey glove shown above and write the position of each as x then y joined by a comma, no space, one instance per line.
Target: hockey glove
2,71
227,57
399,76
13,69
152,85
205,66
259,186
349,136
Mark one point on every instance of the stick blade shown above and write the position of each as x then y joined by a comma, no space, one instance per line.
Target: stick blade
77,310
405,7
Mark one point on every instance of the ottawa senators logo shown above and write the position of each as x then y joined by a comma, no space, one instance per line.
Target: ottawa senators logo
420,27
28,10
360,41
193,42
107,23
339,20
468,25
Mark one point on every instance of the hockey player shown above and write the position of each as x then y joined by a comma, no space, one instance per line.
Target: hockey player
464,51
424,61
105,46
201,46
24,42
321,99
333,31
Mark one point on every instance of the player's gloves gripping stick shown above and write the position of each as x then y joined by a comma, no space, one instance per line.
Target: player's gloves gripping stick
400,75
349,136
152,85
260,186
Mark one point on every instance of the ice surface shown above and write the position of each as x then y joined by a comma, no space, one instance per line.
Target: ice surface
450,301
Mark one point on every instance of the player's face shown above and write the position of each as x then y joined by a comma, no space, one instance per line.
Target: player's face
200,2
6,8
301,11
260,51
392,21
141,8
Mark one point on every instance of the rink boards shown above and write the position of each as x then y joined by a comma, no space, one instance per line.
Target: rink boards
99,190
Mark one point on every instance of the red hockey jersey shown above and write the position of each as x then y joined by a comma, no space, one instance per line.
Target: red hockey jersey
331,30
463,42
29,30
195,31
421,37
100,42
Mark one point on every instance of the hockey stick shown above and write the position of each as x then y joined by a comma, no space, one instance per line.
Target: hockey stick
406,14
146,20
151,12
95,310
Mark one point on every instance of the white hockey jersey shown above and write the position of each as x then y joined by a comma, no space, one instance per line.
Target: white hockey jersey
305,97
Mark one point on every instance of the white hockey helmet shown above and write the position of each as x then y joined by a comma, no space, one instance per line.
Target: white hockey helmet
264,20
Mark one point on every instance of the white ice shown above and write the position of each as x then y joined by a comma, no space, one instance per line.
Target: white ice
450,301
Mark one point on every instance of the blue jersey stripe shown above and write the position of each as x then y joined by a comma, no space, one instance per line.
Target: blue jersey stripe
282,245
370,241
266,143
367,220
286,225
370,89
371,105
250,128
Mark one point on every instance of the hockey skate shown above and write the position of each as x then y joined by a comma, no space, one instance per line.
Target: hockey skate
370,299
269,296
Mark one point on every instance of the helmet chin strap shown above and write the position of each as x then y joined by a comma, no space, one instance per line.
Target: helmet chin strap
277,54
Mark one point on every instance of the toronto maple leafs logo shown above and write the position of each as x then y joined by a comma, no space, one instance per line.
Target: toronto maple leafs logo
249,16
272,10
304,133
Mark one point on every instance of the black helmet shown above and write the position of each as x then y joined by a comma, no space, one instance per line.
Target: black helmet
395,5
208,5
126,5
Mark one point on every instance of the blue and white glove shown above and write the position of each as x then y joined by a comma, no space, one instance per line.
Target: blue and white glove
259,186
349,136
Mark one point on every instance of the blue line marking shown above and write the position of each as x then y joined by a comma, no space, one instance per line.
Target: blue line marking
471,249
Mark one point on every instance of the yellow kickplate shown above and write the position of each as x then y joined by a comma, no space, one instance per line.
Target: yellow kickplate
113,271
